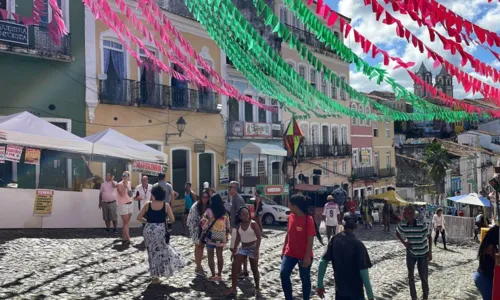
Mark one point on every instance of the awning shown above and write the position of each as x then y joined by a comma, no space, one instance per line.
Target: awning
25,129
471,199
308,187
114,144
392,197
263,149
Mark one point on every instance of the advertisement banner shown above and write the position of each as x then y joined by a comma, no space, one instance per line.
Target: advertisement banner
272,190
148,168
43,202
32,156
258,129
2,154
13,153
223,173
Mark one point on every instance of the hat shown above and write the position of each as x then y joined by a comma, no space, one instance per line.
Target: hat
330,197
205,185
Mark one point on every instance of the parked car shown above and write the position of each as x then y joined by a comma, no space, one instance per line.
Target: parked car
375,216
273,212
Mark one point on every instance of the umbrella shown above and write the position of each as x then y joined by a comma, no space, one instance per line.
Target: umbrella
471,199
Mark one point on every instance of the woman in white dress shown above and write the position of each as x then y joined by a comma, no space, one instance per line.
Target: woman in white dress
163,259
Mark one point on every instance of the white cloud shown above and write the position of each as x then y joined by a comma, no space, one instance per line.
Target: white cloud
385,37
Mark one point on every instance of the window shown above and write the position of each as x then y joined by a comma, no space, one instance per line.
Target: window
375,129
313,77
305,131
361,110
275,115
337,35
248,111
333,90
46,15
261,168
387,129
354,121
262,112
3,4
335,167
335,135
291,65
302,71
327,171
324,89
315,134
284,15
343,135
377,160
368,111
355,158
388,160
295,21
155,146
342,91
344,167
247,168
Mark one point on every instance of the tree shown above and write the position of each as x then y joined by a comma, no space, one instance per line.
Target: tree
437,159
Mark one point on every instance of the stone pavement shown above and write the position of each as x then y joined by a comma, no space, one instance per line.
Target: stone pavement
92,264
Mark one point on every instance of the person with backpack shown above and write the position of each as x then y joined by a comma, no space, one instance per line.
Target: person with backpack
298,246
215,227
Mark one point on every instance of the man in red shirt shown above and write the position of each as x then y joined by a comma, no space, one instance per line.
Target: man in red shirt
350,206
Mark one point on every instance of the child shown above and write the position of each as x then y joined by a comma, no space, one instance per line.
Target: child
249,235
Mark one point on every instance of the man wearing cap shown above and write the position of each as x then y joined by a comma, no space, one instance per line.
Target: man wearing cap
350,261
331,216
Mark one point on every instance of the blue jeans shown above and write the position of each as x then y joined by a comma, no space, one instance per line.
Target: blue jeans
287,265
485,285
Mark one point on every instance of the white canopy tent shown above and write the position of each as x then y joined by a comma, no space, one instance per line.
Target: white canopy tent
263,149
112,143
25,129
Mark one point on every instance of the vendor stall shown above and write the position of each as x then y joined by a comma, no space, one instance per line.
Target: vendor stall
392,197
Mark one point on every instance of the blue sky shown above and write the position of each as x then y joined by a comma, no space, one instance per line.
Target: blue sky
478,11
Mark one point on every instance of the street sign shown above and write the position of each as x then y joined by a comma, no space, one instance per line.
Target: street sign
13,33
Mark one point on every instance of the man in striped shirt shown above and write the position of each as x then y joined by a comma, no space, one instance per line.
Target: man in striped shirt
416,237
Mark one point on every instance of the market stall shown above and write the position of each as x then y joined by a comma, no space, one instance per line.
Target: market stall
392,197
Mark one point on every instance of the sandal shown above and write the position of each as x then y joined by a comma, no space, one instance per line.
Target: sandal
215,278
243,275
258,293
231,293
200,273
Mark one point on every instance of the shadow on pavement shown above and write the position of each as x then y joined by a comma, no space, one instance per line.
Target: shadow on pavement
162,291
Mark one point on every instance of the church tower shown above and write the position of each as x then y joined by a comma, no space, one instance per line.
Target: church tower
426,76
444,82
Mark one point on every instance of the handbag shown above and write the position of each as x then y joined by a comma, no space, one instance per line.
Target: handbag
203,236
167,227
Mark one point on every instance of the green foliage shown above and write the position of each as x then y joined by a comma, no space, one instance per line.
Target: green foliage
437,159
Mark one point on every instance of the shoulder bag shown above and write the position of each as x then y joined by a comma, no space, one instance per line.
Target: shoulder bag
167,227
203,236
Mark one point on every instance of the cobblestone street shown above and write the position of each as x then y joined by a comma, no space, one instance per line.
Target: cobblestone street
91,264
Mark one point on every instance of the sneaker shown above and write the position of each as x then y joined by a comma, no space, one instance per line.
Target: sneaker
115,230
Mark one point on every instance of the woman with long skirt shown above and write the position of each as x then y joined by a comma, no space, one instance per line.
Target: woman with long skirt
193,223
163,259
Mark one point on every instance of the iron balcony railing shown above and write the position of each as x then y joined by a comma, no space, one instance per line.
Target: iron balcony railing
254,129
364,172
309,39
130,92
34,37
387,172
324,150
275,179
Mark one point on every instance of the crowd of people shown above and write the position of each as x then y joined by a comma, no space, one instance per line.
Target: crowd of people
212,227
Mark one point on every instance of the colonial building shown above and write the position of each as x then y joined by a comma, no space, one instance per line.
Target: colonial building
147,105
48,80
325,156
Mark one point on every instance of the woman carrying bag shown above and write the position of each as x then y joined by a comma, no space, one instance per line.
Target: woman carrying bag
163,259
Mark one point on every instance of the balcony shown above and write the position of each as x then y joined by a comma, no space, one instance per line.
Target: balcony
33,40
311,40
275,179
131,92
364,173
387,172
240,129
324,150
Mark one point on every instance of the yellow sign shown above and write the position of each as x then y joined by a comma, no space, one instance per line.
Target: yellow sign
43,202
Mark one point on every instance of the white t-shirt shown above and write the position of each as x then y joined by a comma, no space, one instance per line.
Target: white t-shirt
145,193
331,212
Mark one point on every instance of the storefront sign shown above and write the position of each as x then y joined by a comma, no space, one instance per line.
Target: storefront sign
258,129
13,153
223,173
13,33
32,156
273,190
148,168
235,128
2,154
43,202
199,147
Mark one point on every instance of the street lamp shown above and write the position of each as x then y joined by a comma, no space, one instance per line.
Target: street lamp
181,125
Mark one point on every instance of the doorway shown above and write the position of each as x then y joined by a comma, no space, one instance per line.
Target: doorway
205,170
180,171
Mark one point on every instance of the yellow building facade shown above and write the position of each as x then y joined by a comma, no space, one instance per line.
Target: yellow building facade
145,104
384,156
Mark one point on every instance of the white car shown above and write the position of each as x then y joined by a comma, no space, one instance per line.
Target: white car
272,212
375,216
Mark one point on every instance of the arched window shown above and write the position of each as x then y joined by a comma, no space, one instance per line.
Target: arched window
305,131
354,121
361,110
335,135
343,135
342,91
333,90
302,72
368,111
315,134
